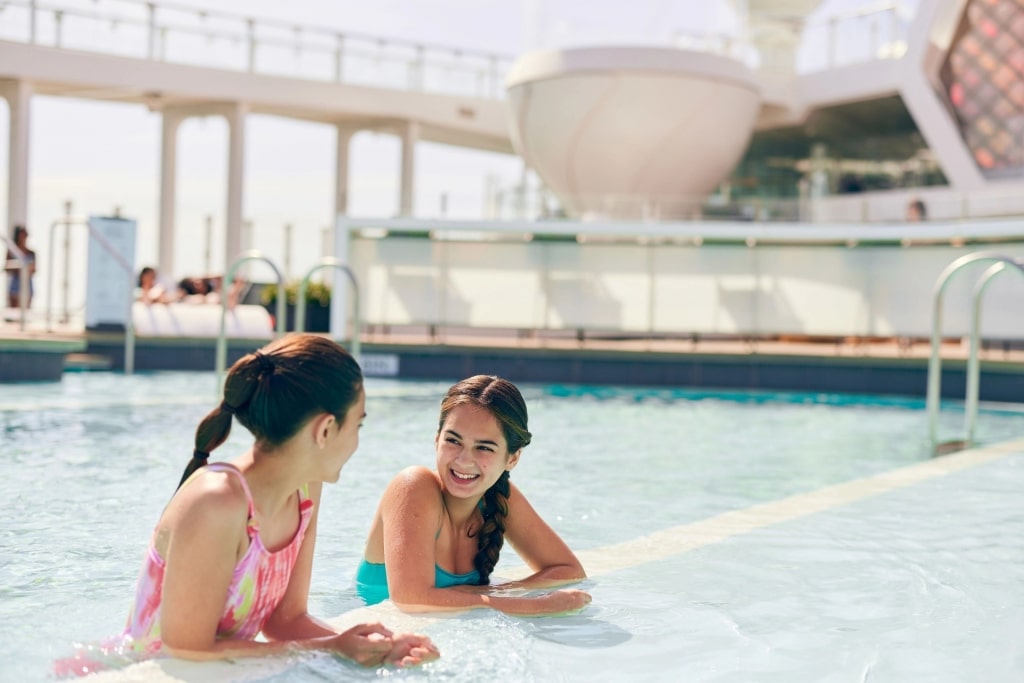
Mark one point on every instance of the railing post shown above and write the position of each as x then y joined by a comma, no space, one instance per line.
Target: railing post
32,22
251,30
151,8
287,250
495,78
832,31
58,17
208,246
417,78
339,59
66,285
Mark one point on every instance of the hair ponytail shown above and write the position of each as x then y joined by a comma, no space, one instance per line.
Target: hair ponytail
274,391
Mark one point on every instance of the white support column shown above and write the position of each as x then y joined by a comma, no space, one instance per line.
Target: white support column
19,99
168,190
407,190
235,115
341,168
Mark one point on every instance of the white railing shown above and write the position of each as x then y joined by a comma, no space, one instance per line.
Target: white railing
889,206
732,279
168,32
868,33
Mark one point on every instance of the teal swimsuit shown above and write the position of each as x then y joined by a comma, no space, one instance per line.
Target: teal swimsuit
372,581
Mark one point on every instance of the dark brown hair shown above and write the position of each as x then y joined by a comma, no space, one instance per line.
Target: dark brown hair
501,399
273,392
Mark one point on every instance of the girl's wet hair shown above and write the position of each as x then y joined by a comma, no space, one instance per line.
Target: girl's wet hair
501,399
273,392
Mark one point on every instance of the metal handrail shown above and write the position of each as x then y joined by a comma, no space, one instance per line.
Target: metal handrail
67,221
973,361
23,277
935,360
222,340
300,305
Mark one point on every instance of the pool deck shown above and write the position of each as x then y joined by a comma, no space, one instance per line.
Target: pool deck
843,365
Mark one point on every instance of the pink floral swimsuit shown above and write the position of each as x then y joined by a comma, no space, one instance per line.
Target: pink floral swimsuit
257,585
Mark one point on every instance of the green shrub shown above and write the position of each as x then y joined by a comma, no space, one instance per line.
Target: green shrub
318,293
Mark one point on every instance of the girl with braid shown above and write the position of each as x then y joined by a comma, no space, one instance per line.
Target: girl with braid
232,553
436,536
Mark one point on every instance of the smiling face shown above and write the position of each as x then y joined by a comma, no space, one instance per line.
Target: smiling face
471,451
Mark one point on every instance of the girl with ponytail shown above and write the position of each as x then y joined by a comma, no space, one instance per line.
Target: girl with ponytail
232,553
437,536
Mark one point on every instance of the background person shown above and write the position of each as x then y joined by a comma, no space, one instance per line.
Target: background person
151,291
20,237
436,536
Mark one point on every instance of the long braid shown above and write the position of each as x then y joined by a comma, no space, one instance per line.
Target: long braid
238,391
491,536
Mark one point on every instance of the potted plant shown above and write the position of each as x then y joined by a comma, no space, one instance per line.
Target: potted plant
318,304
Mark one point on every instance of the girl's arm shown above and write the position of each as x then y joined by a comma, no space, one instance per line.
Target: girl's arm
543,550
203,527
291,621
410,511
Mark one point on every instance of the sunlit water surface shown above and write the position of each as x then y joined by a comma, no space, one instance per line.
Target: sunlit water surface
922,583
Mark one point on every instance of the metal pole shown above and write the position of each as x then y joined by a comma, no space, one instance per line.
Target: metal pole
32,22
251,66
152,29
208,252
67,259
287,250
339,59
57,18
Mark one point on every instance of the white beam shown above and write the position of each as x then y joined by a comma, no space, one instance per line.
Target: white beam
19,99
168,190
407,191
235,115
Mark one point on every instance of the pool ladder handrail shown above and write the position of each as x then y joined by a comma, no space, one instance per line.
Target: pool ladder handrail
279,327
1001,263
300,304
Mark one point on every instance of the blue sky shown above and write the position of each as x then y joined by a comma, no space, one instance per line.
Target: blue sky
102,155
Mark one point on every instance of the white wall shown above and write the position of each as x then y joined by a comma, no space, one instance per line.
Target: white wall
729,289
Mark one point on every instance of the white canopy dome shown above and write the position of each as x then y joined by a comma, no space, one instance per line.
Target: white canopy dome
631,132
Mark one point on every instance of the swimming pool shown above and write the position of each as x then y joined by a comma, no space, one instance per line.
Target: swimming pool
724,539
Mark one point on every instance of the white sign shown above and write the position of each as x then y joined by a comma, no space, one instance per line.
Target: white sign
380,364
109,284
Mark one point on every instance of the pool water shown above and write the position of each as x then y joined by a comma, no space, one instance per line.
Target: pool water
918,583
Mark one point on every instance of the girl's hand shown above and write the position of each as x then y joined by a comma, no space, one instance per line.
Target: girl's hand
365,644
411,649
563,601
